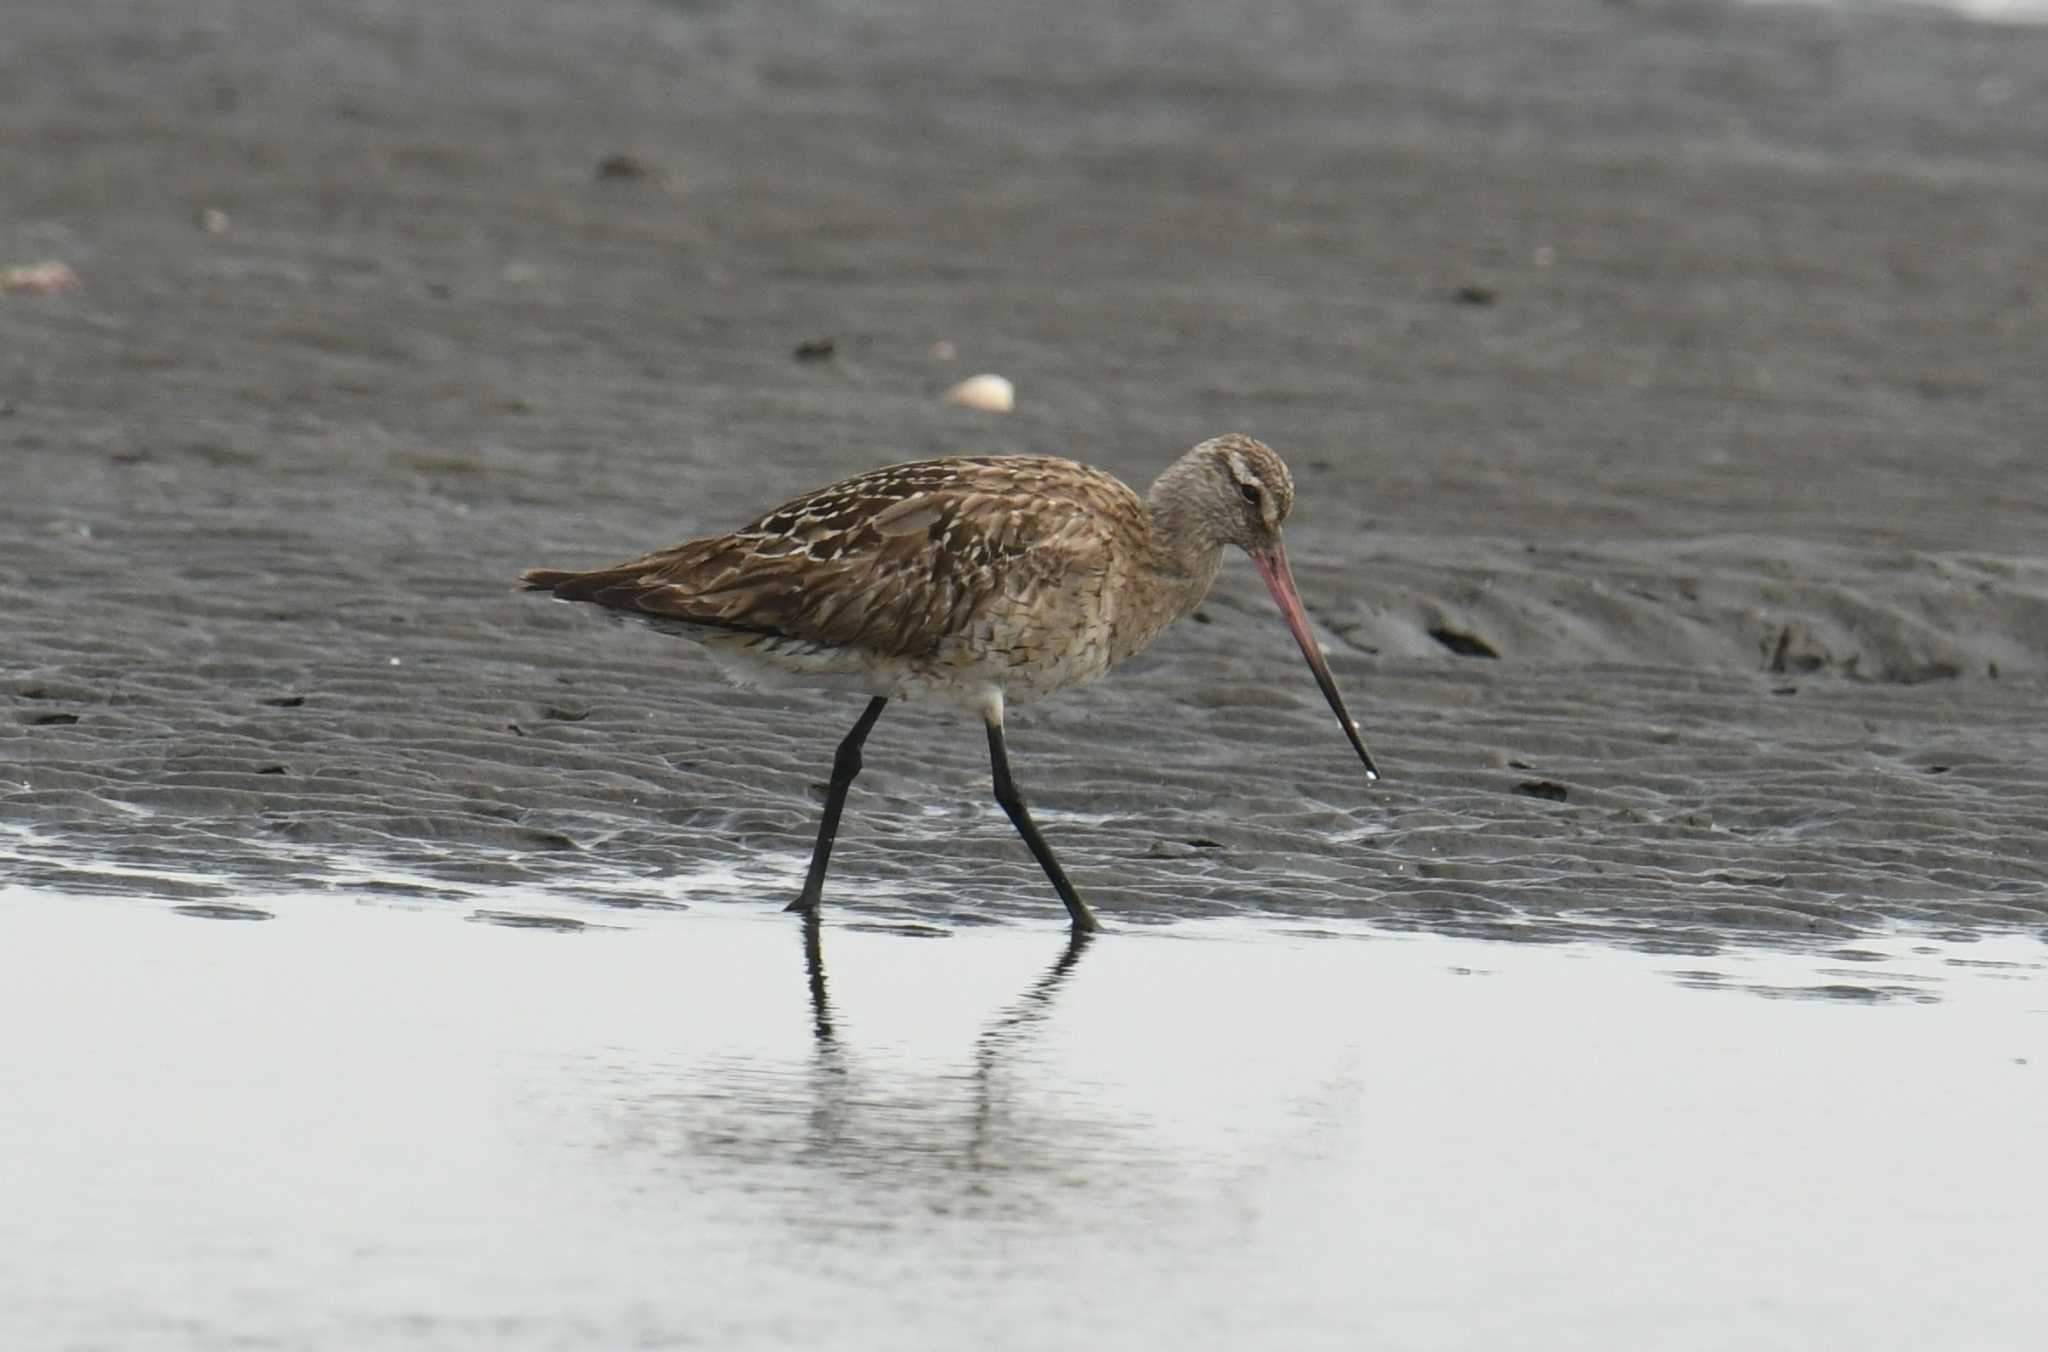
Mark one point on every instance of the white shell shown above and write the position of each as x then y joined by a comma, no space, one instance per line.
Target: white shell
989,393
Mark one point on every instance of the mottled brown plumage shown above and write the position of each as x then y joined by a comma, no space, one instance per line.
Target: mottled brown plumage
976,580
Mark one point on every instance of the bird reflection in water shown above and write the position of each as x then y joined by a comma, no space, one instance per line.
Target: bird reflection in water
877,1125
999,1135
883,1132
1028,1008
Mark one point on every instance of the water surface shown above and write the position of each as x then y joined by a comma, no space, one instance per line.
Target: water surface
545,1123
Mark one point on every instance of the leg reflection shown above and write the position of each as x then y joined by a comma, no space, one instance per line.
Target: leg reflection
1036,1001
1003,1041
1027,1009
868,1112
814,968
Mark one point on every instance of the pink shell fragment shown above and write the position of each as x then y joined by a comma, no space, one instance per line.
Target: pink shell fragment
38,279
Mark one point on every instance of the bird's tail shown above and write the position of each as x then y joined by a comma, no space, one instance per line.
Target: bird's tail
638,587
618,587
544,579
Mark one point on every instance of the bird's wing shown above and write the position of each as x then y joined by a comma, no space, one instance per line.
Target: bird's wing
890,562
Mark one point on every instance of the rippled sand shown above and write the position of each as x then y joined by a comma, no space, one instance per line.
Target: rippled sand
1736,469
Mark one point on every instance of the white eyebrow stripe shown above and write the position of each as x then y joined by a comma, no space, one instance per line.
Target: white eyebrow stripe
1239,470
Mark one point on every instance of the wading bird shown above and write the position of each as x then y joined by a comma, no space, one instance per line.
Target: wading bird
972,580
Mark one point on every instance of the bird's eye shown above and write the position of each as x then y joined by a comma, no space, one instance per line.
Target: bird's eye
1250,493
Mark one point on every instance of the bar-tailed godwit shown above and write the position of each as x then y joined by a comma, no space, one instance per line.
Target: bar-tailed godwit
975,581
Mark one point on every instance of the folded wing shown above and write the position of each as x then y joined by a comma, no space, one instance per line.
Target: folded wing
893,562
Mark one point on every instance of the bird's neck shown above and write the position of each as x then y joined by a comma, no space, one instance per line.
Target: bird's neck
1182,559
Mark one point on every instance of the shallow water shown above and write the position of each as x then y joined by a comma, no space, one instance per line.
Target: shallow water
370,1123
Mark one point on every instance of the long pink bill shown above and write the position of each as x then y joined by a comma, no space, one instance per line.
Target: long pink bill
1280,581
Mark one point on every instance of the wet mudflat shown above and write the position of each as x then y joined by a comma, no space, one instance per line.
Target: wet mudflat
1662,385
378,1122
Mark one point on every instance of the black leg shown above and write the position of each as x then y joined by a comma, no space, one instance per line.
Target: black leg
845,765
1020,817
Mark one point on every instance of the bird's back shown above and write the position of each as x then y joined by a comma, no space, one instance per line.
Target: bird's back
1002,568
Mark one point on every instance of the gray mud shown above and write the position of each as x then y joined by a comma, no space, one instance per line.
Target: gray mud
1686,359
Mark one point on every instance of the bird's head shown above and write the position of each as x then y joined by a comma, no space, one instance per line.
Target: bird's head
1233,490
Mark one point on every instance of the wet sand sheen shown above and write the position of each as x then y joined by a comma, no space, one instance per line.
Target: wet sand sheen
369,1123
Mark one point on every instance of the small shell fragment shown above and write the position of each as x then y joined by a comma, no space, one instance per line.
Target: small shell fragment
989,393
38,279
214,221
